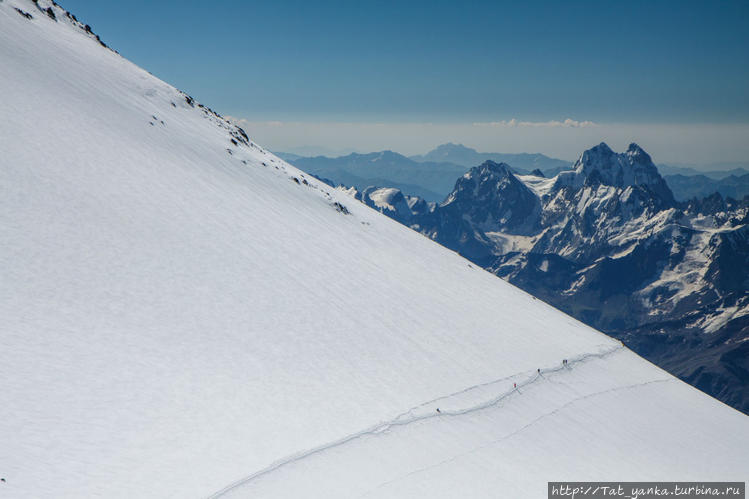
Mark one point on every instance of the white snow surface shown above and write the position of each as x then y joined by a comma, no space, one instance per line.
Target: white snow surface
179,321
385,198
540,185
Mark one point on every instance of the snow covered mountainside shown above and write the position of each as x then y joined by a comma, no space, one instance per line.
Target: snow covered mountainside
607,243
182,314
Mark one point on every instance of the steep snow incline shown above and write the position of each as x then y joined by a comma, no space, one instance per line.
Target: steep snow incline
181,310
568,422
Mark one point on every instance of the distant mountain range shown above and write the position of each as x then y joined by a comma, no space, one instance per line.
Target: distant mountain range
431,176
608,243
522,163
429,180
687,187
715,171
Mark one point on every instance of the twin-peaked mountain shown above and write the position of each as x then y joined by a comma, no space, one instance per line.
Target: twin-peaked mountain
602,166
607,243
432,175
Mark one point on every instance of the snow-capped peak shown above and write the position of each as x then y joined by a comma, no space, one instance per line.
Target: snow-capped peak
489,170
491,195
601,165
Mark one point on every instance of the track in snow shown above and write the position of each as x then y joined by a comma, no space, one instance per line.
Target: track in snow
408,417
515,432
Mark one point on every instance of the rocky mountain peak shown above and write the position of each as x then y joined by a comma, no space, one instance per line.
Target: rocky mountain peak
491,168
489,177
632,168
492,196
637,154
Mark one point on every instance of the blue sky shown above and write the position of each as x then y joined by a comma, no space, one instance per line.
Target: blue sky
653,62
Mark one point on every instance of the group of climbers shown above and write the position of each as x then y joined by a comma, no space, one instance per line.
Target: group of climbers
515,385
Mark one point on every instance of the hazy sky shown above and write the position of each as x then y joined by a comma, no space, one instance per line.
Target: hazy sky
501,76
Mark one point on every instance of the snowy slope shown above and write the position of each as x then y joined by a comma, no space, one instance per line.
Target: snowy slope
181,318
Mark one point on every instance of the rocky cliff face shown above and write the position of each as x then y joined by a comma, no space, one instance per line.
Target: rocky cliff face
491,198
607,243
